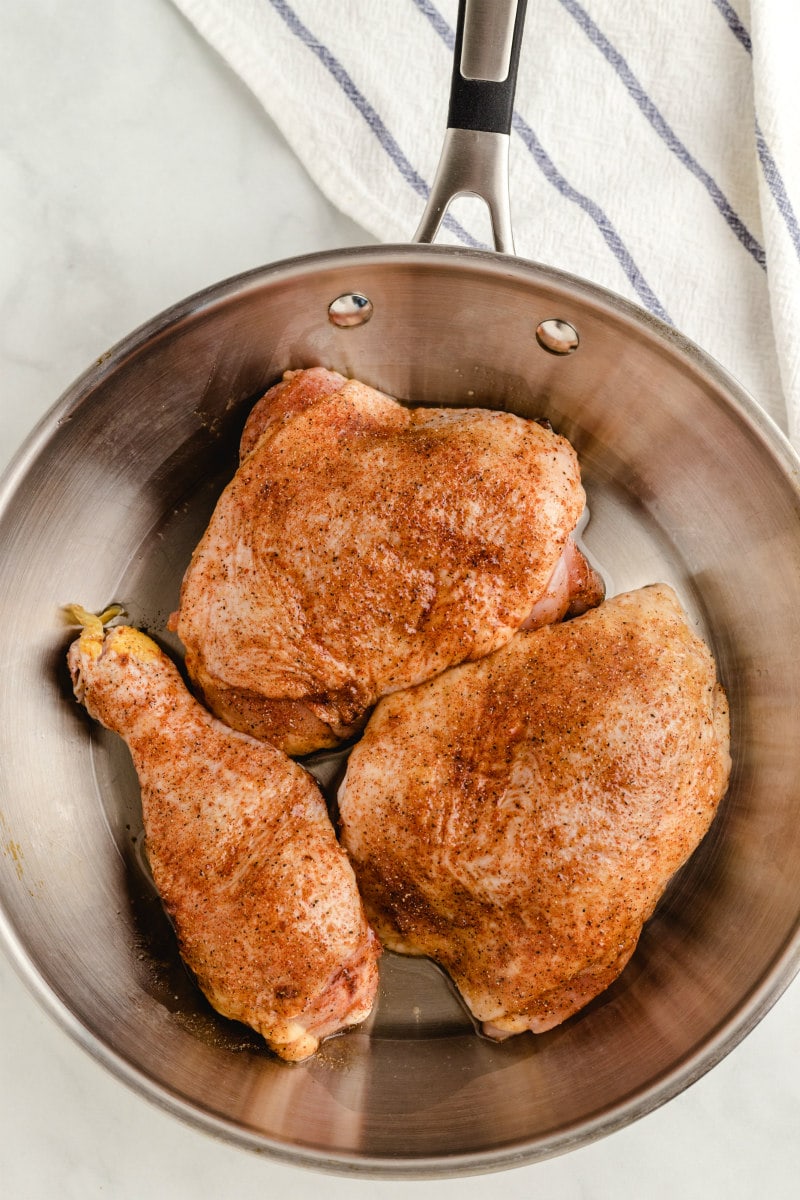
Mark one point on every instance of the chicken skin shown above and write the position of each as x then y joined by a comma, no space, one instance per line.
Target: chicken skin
242,851
364,546
517,819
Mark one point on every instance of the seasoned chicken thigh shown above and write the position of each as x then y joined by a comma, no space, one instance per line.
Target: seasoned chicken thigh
242,851
364,546
517,819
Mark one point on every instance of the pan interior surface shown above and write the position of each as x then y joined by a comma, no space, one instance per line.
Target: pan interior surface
686,484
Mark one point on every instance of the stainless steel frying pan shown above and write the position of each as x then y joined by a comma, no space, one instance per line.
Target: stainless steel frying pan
688,482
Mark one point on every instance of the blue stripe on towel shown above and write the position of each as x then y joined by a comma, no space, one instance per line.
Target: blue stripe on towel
372,118
438,22
554,176
734,23
610,235
664,130
778,189
768,165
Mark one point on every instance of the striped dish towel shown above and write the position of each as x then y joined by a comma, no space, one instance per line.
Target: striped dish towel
655,147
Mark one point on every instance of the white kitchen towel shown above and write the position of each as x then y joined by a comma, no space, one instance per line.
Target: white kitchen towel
655,146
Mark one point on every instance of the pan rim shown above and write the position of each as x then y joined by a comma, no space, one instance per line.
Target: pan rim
719,1042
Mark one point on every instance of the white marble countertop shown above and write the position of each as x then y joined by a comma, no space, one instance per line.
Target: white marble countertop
134,169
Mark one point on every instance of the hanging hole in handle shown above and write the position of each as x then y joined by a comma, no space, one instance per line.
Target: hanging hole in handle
467,221
473,163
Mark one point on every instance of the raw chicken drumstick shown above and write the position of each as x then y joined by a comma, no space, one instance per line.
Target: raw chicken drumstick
517,819
364,546
242,851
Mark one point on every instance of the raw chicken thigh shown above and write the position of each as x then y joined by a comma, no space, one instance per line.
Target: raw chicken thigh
517,819
364,546
242,851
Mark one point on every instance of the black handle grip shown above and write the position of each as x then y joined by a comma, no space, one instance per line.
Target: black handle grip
484,104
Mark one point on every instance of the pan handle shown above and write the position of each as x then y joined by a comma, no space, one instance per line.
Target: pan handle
474,158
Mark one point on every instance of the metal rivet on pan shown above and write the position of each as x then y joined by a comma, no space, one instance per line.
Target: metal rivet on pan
350,309
557,336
